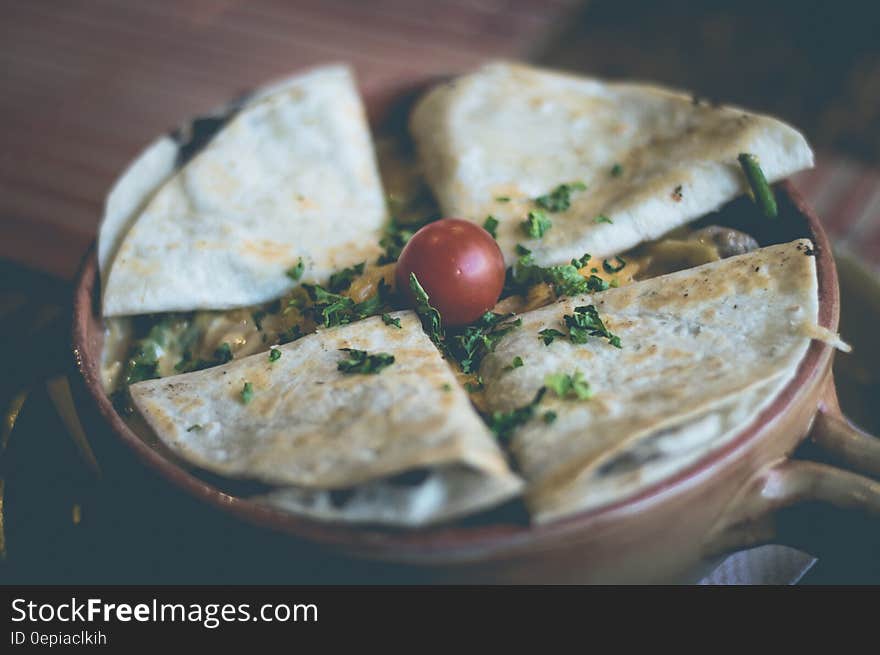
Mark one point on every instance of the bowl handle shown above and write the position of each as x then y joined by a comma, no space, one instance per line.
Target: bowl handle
816,506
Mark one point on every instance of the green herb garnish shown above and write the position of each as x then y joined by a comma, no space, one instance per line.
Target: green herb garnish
334,309
761,191
549,417
491,226
516,363
258,317
247,393
559,199
143,361
476,341
565,385
387,319
585,323
619,263
341,280
502,199
549,334
504,423
616,170
194,428
566,279
431,320
601,218
360,361
274,354
596,283
296,272
536,225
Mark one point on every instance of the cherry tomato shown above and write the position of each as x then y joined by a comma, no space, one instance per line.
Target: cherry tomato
458,264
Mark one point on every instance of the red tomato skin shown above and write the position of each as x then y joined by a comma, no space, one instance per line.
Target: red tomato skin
459,265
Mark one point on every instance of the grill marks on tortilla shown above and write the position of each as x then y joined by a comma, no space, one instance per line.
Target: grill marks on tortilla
515,131
218,234
310,426
694,341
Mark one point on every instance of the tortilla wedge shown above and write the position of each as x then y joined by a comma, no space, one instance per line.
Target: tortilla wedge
702,352
291,176
650,159
312,429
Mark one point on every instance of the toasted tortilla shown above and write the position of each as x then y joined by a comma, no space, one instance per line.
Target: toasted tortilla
703,352
292,175
311,428
129,196
651,159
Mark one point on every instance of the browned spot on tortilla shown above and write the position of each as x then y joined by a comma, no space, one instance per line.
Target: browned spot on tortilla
266,250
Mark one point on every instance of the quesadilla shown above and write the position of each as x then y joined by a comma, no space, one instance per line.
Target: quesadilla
129,195
402,445
290,182
569,165
688,359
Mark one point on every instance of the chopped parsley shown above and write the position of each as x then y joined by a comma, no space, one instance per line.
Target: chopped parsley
258,317
559,199
491,226
596,283
761,191
549,416
431,320
446,386
247,393
569,386
616,267
601,218
396,236
194,428
616,170
143,362
341,280
516,363
585,323
502,199
274,354
565,278
476,341
296,272
333,309
549,334
503,424
360,361
536,225
387,319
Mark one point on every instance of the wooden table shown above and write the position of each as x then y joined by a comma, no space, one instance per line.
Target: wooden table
88,83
